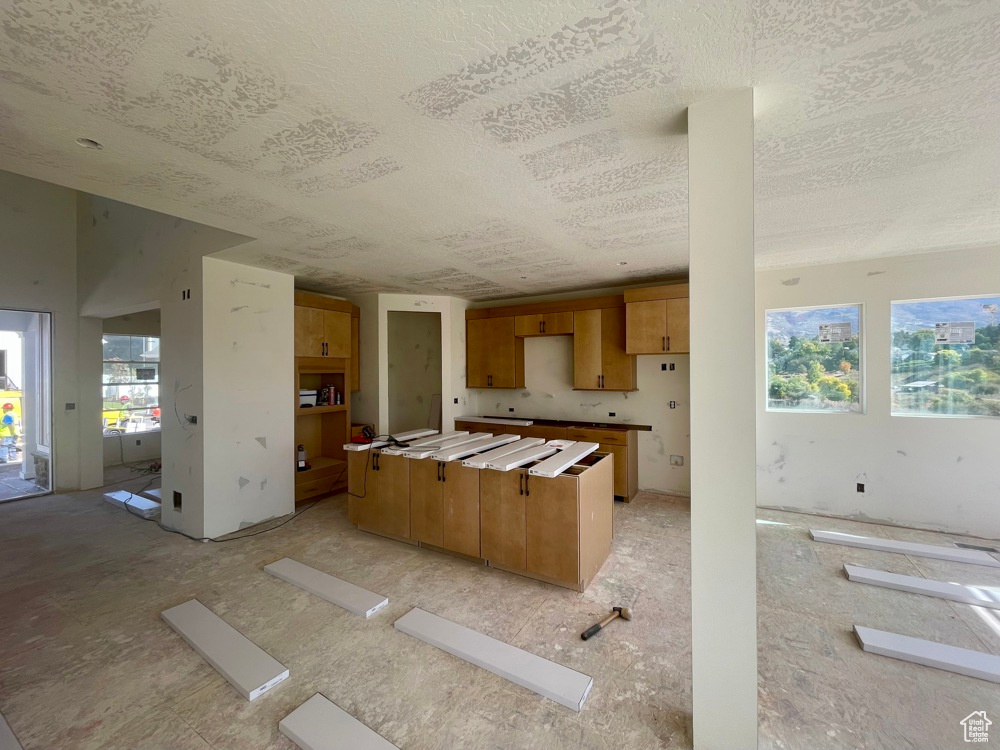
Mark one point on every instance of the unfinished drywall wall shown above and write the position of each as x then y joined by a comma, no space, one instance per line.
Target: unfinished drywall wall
364,401
145,323
125,252
38,246
414,370
938,473
549,394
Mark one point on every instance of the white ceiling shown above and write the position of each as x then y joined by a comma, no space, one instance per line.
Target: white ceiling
492,149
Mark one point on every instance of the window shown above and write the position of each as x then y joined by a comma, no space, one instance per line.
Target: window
131,384
814,359
946,357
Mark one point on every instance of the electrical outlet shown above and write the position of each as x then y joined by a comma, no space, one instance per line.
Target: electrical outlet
456,400
511,409
861,487
611,413
70,406
177,500
673,404
192,419
663,366
677,460
673,366
138,442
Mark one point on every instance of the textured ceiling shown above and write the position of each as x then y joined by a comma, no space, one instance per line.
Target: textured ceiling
495,149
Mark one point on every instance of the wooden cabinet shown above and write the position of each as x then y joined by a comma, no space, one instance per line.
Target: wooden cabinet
551,525
393,495
544,324
599,358
494,355
444,505
657,320
362,483
355,353
322,333
501,504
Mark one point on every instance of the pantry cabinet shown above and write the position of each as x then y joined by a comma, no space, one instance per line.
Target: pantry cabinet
494,355
600,361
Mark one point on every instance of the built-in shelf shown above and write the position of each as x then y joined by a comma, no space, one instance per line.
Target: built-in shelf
321,467
303,411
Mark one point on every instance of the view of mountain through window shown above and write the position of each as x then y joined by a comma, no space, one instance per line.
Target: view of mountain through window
813,359
946,357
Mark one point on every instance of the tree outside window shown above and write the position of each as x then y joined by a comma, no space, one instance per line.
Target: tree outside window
814,359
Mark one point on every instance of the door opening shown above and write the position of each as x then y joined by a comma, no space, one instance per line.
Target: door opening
25,404
414,370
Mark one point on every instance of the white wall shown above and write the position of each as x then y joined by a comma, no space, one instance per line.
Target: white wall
38,246
938,473
414,369
549,394
145,323
364,402
137,446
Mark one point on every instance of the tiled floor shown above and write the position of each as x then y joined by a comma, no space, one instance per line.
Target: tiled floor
11,484
85,661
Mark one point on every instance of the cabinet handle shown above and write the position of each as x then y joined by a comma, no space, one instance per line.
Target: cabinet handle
668,343
375,462
489,380
444,472
664,343
439,471
520,477
540,327
527,491
543,326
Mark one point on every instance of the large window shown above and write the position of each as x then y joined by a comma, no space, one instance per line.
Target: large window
946,357
131,384
814,360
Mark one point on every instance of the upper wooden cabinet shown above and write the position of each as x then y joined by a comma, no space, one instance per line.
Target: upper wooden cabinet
544,324
494,354
322,332
657,320
600,361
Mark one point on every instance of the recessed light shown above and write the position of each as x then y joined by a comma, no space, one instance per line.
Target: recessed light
89,143
622,263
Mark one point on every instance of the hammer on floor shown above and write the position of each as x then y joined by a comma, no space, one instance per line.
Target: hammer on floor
624,612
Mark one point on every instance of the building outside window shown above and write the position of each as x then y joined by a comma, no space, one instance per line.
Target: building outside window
946,357
131,385
814,359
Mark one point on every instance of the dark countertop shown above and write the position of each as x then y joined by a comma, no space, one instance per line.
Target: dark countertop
620,426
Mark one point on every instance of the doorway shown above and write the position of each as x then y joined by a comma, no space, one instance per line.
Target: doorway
414,348
25,404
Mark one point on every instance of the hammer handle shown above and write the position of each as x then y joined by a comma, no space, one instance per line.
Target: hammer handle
595,629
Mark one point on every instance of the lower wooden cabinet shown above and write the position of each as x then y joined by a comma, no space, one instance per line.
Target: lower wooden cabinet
444,505
501,503
393,495
362,487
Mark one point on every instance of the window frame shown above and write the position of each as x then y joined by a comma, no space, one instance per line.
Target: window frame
862,360
132,364
928,415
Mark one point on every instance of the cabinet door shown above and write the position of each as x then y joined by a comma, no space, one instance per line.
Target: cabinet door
426,510
528,325
337,333
678,326
557,324
477,350
501,504
308,332
617,367
619,454
362,480
502,357
461,508
355,354
646,327
394,496
552,528
587,349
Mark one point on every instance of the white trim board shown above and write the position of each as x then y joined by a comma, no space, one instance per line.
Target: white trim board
7,739
557,464
395,450
136,504
425,451
154,493
520,458
342,593
930,653
403,437
246,666
476,446
550,680
320,724
980,596
479,461
953,554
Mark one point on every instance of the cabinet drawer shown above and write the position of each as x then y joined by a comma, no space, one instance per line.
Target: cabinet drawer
540,431
597,435
315,488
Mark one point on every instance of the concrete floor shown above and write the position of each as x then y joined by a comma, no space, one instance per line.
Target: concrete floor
12,486
85,661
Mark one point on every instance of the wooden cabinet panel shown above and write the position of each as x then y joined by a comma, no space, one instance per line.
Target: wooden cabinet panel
502,357
544,324
540,431
620,455
646,327
552,544
394,496
426,509
477,348
587,349
337,333
308,332
362,480
461,509
501,504
597,435
617,366
355,354
678,325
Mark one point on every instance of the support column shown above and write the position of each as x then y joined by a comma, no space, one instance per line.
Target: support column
723,456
